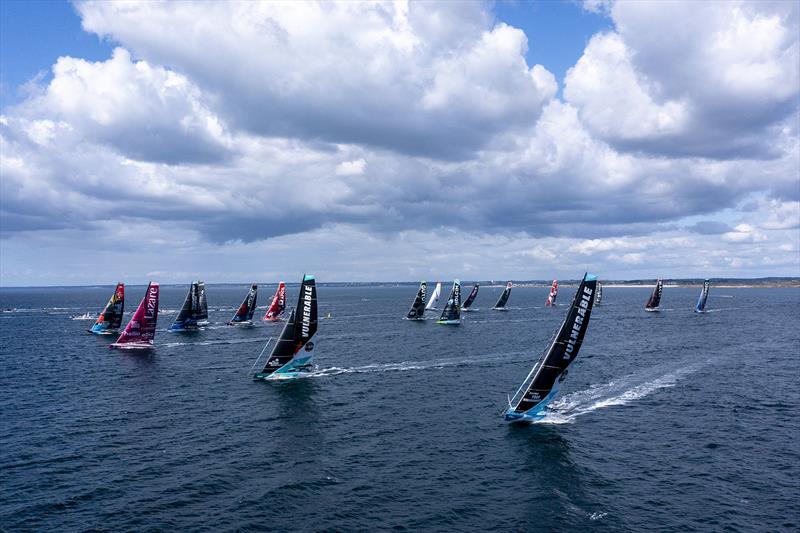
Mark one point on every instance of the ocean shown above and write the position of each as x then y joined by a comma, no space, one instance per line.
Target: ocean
670,421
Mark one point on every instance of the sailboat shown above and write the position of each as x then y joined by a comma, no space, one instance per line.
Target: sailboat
551,298
701,301
471,298
434,297
655,298
244,315
417,311
543,381
110,319
141,329
598,294
451,314
503,300
285,360
278,305
191,313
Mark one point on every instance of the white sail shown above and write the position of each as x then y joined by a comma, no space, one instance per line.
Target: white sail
434,297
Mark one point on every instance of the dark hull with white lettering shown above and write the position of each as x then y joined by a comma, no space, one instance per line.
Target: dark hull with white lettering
541,383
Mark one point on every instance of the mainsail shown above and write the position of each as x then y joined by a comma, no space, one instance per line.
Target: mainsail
542,382
244,315
191,312
655,297
110,319
301,325
278,305
141,330
598,295
451,314
701,301
551,298
434,297
417,311
501,302
471,298
202,317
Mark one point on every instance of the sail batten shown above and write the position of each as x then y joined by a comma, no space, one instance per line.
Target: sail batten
541,383
417,311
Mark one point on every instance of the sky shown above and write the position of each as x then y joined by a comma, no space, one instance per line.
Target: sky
398,141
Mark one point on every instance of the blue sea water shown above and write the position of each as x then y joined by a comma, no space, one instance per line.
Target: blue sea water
670,421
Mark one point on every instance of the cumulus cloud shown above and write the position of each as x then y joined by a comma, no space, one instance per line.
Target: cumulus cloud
712,79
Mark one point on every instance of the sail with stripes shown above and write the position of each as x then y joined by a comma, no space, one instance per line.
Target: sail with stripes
286,359
417,311
110,319
503,300
141,329
655,297
701,301
542,382
551,298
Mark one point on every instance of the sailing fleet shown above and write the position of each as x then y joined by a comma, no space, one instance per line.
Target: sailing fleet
291,354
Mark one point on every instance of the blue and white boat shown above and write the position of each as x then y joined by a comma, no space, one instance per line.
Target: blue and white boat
543,381
451,314
701,301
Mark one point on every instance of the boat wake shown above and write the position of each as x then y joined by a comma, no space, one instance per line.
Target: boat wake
210,343
616,392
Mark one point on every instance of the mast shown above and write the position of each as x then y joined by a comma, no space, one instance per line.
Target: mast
417,311
285,359
110,319
551,298
244,315
701,301
655,297
278,305
451,314
471,298
501,302
141,329
434,297
542,382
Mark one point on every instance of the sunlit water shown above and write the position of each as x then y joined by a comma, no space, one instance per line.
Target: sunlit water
669,421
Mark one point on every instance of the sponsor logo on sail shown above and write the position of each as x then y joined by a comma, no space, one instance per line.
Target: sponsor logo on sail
576,325
307,294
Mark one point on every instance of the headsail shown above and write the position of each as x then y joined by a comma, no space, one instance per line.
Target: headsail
501,302
542,382
598,295
191,312
551,298
471,298
655,297
141,330
110,319
244,315
202,316
285,361
451,314
417,311
433,302
278,305
701,301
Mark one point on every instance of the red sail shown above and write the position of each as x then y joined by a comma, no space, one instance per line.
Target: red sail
551,298
278,305
141,330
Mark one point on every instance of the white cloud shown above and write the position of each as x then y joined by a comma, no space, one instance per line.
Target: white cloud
351,168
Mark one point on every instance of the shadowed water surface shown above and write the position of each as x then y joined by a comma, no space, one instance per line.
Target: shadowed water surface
669,421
